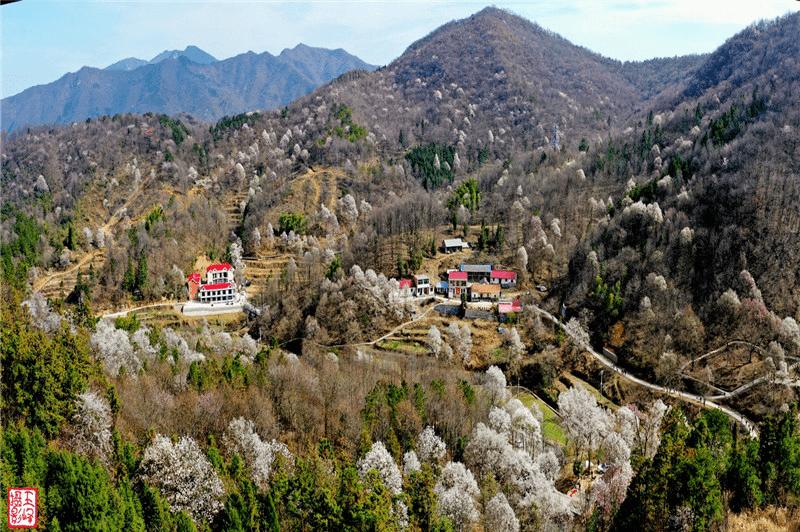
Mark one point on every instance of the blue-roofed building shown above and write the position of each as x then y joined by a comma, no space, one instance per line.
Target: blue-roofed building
442,287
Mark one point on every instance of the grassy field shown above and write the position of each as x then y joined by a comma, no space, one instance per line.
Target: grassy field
401,346
551,428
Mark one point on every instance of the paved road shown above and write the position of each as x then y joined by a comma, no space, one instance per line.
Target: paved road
189,308
697,399
747,386
128,311
719,349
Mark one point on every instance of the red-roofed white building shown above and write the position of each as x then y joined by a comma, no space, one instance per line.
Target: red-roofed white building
216,293
456,284
504,278
405,283
219,273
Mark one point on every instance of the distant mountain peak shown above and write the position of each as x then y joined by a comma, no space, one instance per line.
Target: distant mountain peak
192,53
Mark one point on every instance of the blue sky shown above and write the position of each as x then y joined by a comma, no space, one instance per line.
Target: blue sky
44,39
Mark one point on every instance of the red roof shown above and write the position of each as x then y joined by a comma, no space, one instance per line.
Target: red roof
503,274
219,267
505,308
457,276
405,283
194,278
218,286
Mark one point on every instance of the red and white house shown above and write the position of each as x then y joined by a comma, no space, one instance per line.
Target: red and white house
406,283
504,278
219,273
220,286
217,293
194,282
457,284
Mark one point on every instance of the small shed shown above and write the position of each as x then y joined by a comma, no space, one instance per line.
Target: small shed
451,245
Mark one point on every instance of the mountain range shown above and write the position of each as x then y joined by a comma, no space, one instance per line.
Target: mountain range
190,81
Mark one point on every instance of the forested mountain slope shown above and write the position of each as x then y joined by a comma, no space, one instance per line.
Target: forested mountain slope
660,216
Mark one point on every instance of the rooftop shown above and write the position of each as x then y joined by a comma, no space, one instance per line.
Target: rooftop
476,268
457,276
485,288
506,307
219,267
218,286
503,274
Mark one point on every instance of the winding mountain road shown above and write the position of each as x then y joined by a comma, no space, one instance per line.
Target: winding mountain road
705,402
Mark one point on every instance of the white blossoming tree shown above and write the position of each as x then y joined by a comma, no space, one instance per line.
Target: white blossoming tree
434,340
184,476
92,424
348,209
457,491
379,459
410,462
495,385
241,438
430,446
500,516
114,349
586,422
43,317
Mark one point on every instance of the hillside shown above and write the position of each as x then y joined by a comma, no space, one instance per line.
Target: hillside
650,212
179,82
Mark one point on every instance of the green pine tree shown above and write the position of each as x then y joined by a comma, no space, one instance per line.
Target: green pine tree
129,279
141,272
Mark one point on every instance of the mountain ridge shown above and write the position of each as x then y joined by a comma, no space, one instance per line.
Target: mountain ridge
192,52
208,91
